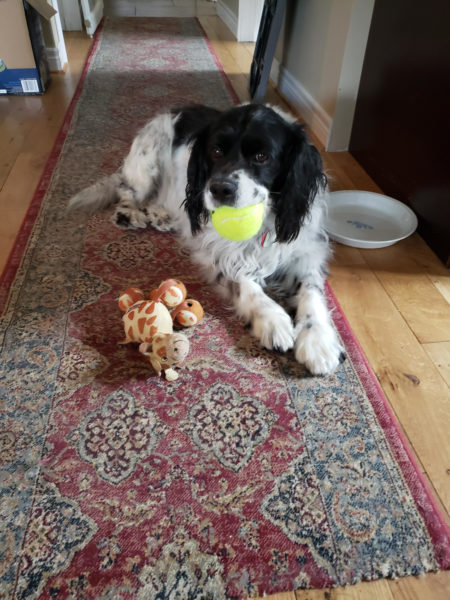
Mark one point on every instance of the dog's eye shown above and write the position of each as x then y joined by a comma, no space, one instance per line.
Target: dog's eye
216,152
261,157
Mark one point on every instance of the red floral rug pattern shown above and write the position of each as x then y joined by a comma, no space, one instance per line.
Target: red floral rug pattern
243,477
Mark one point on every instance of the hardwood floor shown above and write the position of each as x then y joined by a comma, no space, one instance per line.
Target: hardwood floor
28,128
396,299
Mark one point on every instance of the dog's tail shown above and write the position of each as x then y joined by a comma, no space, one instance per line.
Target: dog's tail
97,196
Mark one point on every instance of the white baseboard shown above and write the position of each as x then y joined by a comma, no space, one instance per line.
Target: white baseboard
275,71
301,100
54,59
120,8
228,17
160,8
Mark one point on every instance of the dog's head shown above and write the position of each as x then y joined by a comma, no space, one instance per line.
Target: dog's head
251,154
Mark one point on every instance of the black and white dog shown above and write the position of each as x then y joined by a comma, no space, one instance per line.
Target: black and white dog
188,162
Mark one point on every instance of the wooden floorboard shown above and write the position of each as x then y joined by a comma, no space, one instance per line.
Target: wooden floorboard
29,126
396,299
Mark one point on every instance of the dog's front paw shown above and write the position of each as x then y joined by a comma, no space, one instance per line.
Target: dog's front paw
274,331
318,348
129,218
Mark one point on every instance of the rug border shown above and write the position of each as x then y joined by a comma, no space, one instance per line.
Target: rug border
225,77
417,484
431,513
20,244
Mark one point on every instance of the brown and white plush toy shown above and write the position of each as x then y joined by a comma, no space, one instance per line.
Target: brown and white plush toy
150,323
185,312
165,351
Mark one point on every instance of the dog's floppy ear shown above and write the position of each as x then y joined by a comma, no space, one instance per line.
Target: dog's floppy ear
197,176
301,180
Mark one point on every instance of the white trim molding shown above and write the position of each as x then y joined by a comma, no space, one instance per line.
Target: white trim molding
56,54
70,15
301,100
245,25
228,17
92,14
54,59
248,20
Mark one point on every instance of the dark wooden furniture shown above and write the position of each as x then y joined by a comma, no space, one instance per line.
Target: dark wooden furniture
401,129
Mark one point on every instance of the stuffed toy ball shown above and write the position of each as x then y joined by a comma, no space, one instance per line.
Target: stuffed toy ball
170,292
188,313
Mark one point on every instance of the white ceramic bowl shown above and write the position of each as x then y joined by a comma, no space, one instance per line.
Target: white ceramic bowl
368,220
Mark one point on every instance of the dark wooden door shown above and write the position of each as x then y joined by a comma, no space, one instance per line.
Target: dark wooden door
268,32
401,130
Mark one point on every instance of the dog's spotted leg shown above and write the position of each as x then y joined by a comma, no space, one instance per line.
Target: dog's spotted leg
142,174
316,342
269,322
132,217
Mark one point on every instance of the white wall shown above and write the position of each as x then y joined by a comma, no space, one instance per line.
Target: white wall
232,5
228,11
242,17
319,60
350,75
314,42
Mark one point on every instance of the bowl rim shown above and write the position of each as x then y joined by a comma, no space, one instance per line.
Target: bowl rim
364,243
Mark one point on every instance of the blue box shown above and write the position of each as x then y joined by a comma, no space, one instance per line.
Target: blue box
35,78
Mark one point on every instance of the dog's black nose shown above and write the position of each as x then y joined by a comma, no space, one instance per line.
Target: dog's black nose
223,190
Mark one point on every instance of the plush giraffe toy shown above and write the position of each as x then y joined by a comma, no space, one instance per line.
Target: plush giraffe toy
150,323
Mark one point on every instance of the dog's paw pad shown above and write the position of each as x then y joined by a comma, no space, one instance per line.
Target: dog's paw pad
121,220
129,218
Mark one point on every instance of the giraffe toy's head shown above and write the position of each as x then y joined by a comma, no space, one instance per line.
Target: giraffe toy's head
165,351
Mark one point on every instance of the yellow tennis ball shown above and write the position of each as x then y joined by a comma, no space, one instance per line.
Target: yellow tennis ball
238,224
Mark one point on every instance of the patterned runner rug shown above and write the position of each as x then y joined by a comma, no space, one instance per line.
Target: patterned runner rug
243,477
